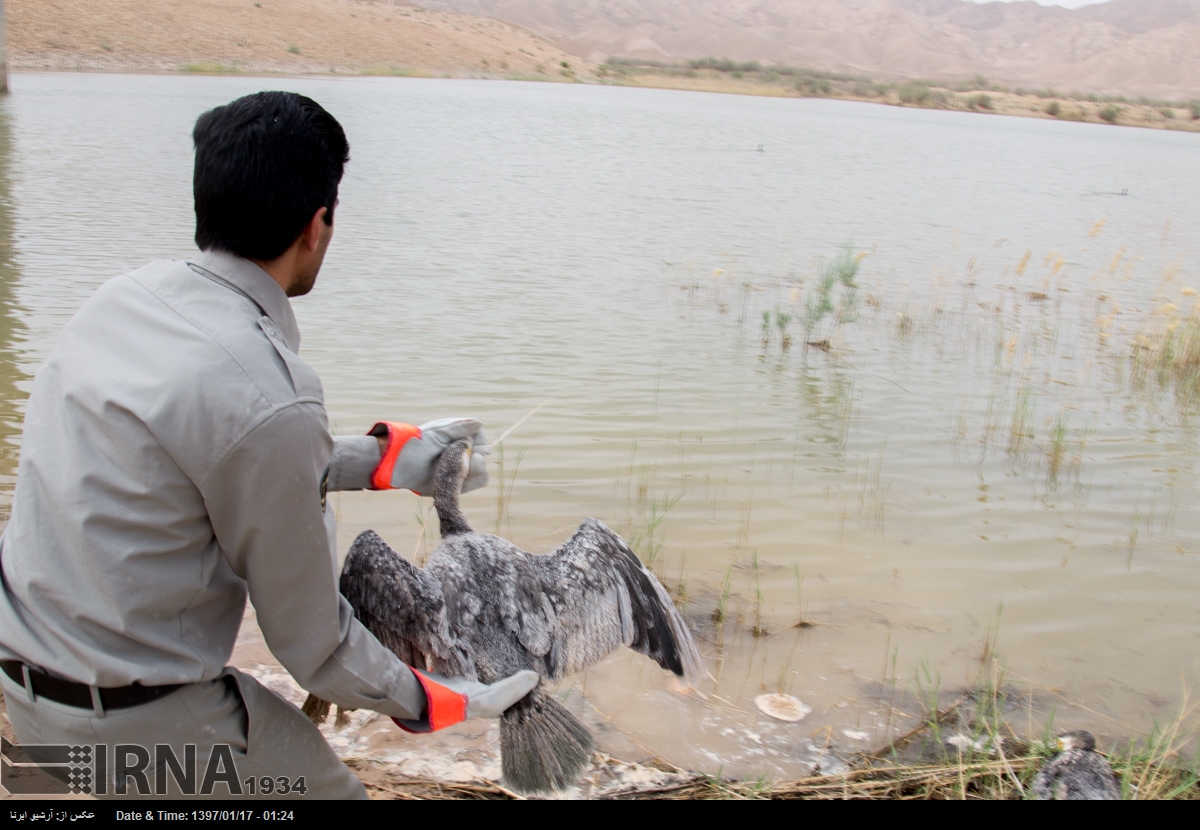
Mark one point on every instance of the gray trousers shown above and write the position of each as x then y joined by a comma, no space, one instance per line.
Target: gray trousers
260,733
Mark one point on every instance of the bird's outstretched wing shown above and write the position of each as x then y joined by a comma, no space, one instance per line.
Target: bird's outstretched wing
603,597
402,606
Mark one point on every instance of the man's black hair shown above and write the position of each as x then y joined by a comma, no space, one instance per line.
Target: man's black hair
264,164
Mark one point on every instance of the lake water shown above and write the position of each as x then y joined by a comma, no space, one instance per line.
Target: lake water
981,445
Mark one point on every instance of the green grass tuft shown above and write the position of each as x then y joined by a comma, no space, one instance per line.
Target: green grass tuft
980,101
205,68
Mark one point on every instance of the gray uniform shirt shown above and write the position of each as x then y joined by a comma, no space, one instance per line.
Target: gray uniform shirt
174,458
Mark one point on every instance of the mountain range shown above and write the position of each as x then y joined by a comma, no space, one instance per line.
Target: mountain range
1132,47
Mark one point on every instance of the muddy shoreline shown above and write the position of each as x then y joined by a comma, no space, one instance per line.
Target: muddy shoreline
965,750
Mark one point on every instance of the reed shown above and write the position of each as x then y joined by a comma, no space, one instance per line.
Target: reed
645,538
723,601
801,620
1163,765
758,629
782,320
504,490
836,291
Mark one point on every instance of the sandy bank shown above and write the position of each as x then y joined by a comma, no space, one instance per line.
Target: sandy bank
271,36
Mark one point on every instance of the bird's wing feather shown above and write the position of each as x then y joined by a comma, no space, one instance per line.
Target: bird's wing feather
477,571
603,597
401,605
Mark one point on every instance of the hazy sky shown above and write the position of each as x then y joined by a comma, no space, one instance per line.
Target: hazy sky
1070,4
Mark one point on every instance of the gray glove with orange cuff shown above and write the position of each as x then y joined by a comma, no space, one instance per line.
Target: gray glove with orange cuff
451,700
410,453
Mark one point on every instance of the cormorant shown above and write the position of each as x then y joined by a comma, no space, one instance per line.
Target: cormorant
483,609
1076,773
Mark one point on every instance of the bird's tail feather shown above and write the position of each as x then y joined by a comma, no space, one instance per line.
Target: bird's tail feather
543,747
316,709
318,712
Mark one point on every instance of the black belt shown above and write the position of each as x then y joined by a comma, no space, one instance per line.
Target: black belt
80,694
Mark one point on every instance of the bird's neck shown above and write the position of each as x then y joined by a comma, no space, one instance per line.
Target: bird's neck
450,516
447,487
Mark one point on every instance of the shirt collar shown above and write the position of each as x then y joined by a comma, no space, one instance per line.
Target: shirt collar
244,276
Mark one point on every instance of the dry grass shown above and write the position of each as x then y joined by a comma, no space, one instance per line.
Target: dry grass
1171,352
1166,764
1000,779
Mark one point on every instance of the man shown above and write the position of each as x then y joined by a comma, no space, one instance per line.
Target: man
176,457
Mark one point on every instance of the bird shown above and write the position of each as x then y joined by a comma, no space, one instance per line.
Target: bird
1076,773
483,608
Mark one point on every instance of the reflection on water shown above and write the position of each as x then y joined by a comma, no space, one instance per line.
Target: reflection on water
11,396
994,412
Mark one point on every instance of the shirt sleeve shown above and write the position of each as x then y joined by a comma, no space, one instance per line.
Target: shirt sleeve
267,512
354,459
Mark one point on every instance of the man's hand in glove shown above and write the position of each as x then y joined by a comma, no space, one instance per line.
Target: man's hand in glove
451,700
410,453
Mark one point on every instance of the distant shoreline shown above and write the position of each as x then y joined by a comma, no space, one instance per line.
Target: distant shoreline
978,95
988,100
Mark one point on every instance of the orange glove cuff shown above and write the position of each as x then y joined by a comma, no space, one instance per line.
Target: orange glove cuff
397,435
443,707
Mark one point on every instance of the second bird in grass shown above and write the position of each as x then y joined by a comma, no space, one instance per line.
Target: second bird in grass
1076,773
484,609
